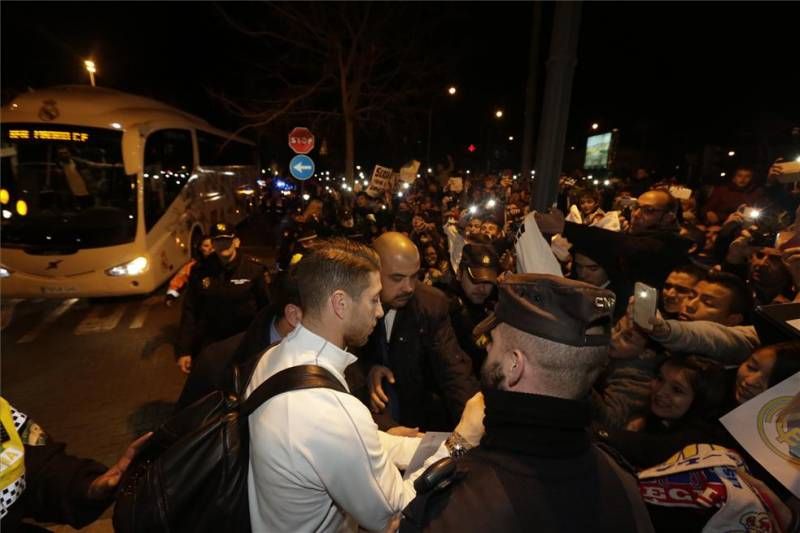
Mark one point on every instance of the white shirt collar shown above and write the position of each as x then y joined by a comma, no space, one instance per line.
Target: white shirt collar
325,350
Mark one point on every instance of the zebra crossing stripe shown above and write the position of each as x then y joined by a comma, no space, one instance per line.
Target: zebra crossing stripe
7,312
144,310
96,323
49,319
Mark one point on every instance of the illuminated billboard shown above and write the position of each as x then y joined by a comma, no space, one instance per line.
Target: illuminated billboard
598,148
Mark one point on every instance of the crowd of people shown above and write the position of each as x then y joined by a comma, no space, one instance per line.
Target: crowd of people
446,255
449,306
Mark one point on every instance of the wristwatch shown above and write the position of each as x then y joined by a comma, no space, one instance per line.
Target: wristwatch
457,445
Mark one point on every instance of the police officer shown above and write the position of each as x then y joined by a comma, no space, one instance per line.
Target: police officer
471,296
535,467
222,299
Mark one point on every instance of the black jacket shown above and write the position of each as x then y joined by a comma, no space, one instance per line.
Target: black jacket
465,315
213,369
433,375
56,489
221,302
627,258
535,470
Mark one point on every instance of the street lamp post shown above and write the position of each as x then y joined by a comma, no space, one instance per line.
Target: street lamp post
452,92
490,139
91,69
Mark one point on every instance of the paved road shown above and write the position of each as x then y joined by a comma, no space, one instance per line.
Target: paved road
95,373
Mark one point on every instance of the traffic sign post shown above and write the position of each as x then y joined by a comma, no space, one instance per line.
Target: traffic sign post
301,167
301,140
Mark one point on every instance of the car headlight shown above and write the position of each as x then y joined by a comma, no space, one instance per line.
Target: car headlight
4,272
131,268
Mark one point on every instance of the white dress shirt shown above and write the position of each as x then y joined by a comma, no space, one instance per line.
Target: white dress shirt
317,459
388,319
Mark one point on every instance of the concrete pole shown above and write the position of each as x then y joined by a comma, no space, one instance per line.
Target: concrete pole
530,93
555,108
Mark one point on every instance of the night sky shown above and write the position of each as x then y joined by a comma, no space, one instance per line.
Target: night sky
673,77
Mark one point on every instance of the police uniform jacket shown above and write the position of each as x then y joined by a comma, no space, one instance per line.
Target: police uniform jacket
536,469
220,302
433,375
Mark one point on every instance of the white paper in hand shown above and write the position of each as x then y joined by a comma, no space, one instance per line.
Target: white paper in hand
534,255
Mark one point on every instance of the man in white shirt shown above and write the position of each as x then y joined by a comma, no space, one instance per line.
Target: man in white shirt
317,459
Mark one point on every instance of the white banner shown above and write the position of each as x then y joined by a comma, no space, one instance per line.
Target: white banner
768,427
408,172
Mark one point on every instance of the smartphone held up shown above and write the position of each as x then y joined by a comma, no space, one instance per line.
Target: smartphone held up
644,305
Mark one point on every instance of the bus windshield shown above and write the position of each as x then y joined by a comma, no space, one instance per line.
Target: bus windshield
65,188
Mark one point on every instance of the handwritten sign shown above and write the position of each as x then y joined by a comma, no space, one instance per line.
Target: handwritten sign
380,182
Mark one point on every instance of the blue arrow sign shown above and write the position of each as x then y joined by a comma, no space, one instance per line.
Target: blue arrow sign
301,167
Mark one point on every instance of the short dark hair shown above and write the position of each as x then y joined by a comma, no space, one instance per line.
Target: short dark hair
707,379
787,362
283,290
196,253
742,298
594,194
692,270
334,264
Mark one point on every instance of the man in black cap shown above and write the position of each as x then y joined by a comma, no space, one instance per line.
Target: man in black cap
221,301
471,296
536,468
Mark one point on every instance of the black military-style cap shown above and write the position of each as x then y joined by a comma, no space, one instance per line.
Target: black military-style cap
480,262
558,309
222,230
222,236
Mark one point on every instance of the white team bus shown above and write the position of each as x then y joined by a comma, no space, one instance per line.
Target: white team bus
105,193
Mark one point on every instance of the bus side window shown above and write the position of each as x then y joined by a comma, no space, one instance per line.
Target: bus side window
168,164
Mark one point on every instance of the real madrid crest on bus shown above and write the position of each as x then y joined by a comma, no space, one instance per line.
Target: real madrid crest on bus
49,111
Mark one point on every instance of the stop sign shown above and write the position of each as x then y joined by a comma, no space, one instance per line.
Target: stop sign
301,140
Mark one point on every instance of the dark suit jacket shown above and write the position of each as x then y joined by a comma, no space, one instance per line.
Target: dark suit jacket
213,369
433,375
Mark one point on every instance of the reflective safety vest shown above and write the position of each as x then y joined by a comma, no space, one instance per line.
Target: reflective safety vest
12,457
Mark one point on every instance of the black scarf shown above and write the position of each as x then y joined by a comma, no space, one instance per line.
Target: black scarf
531,424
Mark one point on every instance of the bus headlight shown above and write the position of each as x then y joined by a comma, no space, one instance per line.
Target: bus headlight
131,268
4,272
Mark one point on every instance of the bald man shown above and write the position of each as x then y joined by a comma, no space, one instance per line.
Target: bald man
417,375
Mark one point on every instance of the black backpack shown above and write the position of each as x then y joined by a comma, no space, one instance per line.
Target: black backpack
191,475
